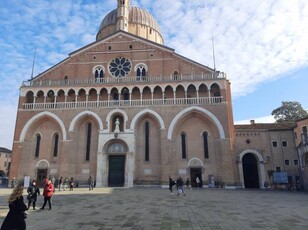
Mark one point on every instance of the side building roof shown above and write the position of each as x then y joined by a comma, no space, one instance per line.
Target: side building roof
5,150
266,126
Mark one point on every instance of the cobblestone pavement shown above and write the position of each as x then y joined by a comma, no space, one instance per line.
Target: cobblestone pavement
145,208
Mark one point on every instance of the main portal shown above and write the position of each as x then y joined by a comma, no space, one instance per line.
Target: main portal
116,171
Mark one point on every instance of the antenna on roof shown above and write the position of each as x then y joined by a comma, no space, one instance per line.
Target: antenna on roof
33,63
213,54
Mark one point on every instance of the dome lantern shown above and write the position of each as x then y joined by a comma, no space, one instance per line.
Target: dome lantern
122,15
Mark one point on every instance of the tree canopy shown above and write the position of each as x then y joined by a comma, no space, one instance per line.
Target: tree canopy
289,111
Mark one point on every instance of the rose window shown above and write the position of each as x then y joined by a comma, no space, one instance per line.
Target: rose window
120,67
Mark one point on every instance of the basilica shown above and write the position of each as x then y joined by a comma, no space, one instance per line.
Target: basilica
129,111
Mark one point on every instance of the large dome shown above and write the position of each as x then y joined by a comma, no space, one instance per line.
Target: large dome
140,23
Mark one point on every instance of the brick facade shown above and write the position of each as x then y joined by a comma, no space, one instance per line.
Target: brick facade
174,118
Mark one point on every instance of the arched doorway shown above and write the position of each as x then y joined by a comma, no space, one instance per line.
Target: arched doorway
42,172
116,171
194,173
250,171
196,169
117,158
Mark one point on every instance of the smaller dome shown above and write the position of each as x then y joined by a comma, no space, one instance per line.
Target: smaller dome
137,17
109,19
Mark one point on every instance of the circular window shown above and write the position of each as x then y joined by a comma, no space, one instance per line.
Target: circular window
120,67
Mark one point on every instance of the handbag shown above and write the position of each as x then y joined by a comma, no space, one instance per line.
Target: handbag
29,197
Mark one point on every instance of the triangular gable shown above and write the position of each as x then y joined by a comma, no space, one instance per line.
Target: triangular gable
49,69
96,43
122,33
133,38
148,42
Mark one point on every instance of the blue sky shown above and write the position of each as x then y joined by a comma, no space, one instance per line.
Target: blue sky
260,44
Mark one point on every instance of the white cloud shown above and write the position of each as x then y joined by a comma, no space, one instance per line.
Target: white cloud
254,40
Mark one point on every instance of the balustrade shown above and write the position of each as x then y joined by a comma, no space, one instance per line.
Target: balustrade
93,81
122,103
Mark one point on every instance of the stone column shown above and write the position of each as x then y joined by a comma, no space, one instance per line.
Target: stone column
174,97
262,174
129,172
130,98
34,100
102,161
240,169
198,96
101,180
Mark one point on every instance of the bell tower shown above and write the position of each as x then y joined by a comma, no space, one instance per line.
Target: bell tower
123,11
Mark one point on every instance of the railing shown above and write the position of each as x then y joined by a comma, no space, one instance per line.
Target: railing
91,81
122,103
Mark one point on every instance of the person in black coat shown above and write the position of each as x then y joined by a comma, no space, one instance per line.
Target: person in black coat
33,191
15,219
171,183
71,184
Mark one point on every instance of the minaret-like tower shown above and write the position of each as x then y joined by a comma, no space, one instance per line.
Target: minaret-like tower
123,11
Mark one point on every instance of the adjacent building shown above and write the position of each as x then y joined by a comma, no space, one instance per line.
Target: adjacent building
263,149
5,161
301,141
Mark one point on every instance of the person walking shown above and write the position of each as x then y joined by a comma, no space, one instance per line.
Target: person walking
13,182
180,184
171,183
198,182
15,219
65,183
187,183
71,184
90,183
48,192
53,180
61,184
33,191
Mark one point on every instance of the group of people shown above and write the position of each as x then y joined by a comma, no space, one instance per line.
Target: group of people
64,183
180,185
15,219
16,216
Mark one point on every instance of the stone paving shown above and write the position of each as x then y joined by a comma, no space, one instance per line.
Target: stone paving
145,208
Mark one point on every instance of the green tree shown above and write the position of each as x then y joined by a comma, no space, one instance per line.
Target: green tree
289,111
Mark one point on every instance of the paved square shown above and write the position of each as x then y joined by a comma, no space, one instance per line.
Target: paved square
145,208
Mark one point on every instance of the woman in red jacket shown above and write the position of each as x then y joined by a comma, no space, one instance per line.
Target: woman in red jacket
48,192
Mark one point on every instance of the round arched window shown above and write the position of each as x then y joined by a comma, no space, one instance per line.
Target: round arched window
120,67
117,148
